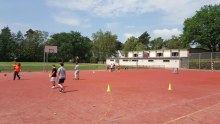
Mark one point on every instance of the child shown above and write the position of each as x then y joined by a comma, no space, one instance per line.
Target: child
17,69
111,67
118,67
77,71
53,76
62,76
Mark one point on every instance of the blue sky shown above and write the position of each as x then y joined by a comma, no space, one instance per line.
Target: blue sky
125,18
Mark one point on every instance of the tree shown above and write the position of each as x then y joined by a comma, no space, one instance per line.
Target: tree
7,45
144,39
203,28
34,45
140,47
20,43
104,44
157,43
118,45
85,51
71,46
130,45
174,43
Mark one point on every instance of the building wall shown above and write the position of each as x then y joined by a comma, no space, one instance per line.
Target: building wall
150,58
110,61
184,53
152,53
128,62
166,53
140,54
164,63
130,54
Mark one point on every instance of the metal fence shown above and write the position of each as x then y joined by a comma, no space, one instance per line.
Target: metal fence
203,61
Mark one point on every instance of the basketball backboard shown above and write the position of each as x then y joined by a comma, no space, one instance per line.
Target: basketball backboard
50,49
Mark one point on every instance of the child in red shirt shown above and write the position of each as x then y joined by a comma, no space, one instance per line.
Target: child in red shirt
17,69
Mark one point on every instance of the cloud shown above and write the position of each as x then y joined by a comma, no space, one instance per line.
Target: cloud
173,11
166,33
83,5
66,18
112,26
2,25
128,35
129,26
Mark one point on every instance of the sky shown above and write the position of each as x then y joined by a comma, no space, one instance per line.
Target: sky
124,18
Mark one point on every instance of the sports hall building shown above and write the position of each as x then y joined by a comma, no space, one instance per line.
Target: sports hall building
170,58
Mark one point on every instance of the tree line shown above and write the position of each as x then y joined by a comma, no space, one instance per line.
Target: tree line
200,30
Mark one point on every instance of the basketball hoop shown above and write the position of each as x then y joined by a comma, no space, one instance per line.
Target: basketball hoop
50,49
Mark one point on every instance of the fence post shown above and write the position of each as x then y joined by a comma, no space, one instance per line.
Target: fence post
212,67
211,62
199,59
188,61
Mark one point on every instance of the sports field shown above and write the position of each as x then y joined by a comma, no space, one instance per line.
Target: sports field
135,97
41,66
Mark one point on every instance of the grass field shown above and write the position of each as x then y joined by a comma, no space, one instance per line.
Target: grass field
40,66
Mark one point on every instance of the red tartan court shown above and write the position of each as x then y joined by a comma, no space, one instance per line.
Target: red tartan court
135,97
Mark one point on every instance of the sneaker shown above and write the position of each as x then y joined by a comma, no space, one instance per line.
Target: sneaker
61,90
53,87
19,78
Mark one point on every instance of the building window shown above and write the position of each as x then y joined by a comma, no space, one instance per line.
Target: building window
175,53
135,55
111,59
134,60
159,54
146,55
125,60
166,60
150,60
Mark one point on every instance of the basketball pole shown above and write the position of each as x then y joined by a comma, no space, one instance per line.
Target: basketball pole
47,62
47,50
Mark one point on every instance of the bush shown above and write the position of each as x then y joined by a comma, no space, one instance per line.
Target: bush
93,60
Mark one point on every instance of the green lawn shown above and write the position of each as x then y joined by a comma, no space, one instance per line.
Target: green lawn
40,66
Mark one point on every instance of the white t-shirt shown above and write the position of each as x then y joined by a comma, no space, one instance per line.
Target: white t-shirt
77,68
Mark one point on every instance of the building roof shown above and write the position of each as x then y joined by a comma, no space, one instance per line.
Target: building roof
198,50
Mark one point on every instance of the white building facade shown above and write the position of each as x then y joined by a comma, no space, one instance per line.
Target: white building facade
171,58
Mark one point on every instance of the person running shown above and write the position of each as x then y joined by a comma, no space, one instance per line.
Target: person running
118,67
77,71
61,76
111,68
53,76
17,69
